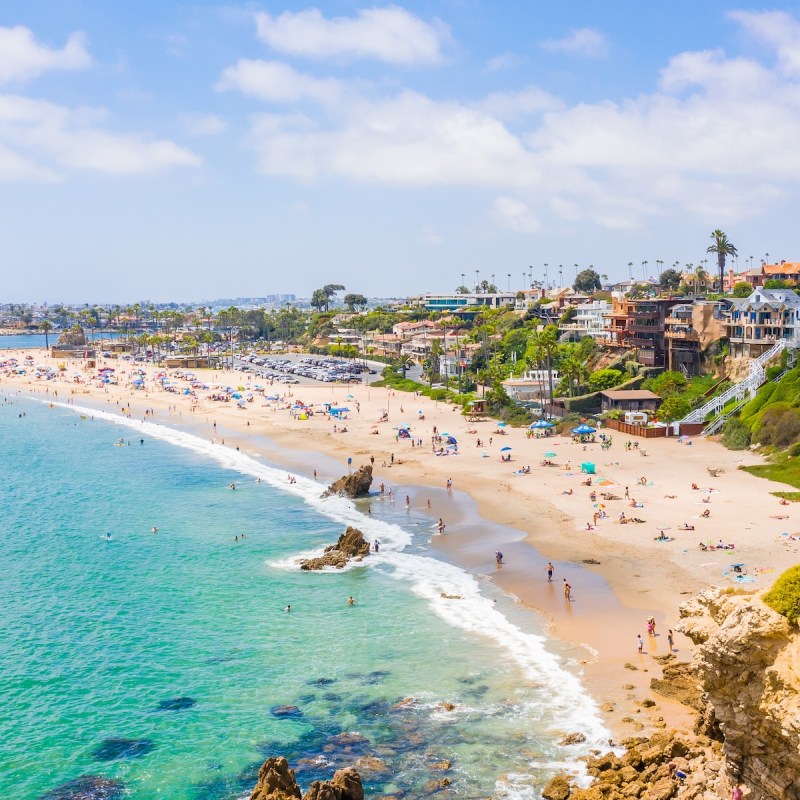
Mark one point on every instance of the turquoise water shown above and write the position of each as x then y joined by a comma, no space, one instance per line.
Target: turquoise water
96,635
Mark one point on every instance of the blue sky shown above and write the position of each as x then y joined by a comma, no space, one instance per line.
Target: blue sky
174,151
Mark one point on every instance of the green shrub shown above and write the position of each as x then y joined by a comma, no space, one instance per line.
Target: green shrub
604,379
674,408
666,384
794,450
735,435
439,394
774,371
779,426
784,596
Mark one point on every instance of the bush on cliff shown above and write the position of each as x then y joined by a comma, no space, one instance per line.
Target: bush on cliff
735,435
784,596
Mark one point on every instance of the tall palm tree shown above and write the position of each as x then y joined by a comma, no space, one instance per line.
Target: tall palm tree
45,327
723,248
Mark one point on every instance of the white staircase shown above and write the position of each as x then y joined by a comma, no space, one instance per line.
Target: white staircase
741,391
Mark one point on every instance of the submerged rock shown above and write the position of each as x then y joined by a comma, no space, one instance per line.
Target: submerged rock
351,545
572,738
285,711
177,703
87,787
113,749
356,484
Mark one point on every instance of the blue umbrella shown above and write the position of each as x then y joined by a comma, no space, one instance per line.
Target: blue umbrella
541,423
502,424
504,449
236,396
584,428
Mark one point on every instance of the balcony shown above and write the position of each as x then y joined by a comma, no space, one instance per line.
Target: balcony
644,326
686,335
687,320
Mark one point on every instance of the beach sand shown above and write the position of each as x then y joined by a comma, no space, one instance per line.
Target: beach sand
629,577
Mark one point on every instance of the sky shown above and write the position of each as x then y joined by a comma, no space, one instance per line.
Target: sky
188,151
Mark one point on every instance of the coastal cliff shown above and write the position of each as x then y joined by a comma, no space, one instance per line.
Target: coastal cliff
747,661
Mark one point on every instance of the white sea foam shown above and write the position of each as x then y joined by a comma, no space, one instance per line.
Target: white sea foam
565,706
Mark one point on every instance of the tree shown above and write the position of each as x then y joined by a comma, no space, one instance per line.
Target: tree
674,408
742,289
462,289
723,248
587,281
45,327
354,301
603,379
669,280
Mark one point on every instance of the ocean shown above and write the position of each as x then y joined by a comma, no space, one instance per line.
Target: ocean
30,340
144,665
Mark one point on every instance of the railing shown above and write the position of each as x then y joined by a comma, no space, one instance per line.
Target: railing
739,391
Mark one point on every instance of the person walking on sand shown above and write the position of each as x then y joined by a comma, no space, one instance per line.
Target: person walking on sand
651,626
567,590
670,639
441,525
549,569
639,642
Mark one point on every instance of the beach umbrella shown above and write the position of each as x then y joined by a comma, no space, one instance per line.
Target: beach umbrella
236,396
549,455
444,434
452,440
583,428
506,449
502,424
541,423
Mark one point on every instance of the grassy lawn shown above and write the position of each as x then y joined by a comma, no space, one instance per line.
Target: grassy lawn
782,469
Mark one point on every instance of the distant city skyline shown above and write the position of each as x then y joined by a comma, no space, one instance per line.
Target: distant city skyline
180,151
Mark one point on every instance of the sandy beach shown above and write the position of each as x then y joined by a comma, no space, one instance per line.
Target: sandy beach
620,573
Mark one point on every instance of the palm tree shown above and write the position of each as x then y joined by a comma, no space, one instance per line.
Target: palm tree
45,327
723,248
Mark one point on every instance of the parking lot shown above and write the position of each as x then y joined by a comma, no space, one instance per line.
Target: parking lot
294,368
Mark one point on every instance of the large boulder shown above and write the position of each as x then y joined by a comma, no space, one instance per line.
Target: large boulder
356,484
351,545
277,782
74,337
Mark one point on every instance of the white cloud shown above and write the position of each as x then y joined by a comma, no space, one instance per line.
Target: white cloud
778,31
428,235
585,42
23,58
389,34
405,140
276,82
515,215
504,61
44,139
202,125
716,138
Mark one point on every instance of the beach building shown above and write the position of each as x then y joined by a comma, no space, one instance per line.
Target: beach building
689,329
628,400
590,320
465,303
639,324
532,386
756,322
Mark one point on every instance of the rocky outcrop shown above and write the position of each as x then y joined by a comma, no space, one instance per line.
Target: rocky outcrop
356,484
277,782
748,663
351,545
74,337
661,767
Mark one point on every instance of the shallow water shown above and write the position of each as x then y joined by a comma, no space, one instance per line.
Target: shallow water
161,660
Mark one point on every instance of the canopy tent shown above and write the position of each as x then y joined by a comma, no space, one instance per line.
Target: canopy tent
540,424
583,429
